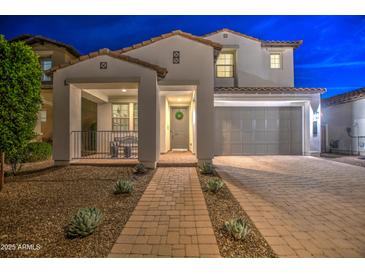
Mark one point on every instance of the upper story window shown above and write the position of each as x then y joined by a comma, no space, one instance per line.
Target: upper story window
46,64
225,65
275,60
120,119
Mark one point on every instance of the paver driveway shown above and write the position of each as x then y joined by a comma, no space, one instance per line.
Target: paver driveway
303,206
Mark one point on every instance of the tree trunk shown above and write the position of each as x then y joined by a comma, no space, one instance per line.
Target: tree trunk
2,180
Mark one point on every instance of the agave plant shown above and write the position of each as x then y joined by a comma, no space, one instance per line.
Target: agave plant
140,169
207,168
84,222
214,185
123,186
238,228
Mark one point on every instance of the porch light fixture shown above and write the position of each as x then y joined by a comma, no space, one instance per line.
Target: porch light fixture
179,99
124,90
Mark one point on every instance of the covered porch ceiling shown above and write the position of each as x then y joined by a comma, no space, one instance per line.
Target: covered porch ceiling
103,92
178,94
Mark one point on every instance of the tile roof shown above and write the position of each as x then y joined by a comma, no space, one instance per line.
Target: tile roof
161,72
350,96
267,90
294,44
32,39
170,34
264,43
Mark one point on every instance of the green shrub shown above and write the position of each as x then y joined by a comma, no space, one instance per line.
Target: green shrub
84,222
140,169
238,228
123,187
37,151
20,86
207,168
214,185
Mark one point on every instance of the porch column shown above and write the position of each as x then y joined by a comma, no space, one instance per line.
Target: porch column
67,118
205,122
148,121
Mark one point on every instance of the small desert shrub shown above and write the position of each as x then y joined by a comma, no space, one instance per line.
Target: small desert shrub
84,222
238,228
139,169
207,168
214,185
123,187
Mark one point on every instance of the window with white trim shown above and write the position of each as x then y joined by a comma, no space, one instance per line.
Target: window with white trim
225,65
120,118
135,116
275,60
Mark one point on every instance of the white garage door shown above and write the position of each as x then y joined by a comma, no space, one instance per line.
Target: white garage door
258,130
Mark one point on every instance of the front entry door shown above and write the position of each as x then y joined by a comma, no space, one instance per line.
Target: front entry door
179,131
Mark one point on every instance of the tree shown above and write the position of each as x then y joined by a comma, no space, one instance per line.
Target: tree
20,100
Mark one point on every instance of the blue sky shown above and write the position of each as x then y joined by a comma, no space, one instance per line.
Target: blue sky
332,56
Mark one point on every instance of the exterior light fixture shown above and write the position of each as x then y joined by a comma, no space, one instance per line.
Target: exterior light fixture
124,90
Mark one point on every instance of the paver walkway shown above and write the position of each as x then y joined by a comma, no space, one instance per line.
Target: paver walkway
303,206
170,220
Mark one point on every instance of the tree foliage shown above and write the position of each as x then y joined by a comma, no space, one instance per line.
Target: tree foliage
20,100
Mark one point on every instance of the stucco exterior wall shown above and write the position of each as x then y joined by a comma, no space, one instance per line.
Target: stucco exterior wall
342,116
253,63
67,103
196,66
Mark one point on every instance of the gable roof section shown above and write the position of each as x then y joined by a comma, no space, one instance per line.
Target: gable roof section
267,90
32,39
186,35
264,43
161,72
233,32
351,96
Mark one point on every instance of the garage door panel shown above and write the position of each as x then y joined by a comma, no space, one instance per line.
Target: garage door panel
236,136
236,149
272,124
258,130
260,136
272,136
248,137
259,124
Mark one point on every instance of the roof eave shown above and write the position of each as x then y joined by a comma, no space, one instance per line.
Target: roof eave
161,72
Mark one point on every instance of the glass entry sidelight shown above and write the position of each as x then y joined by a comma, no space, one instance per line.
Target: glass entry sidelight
179,131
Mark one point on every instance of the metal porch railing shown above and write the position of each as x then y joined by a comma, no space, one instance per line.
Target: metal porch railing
104,144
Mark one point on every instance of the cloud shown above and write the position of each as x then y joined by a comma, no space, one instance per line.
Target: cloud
332,65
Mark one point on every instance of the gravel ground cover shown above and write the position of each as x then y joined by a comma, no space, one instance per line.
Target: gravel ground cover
222,206
36,208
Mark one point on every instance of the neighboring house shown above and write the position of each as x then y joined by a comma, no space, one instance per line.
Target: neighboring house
50,53
344,123
222,94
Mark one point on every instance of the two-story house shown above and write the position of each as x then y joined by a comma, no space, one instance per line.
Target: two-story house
225,93
51,53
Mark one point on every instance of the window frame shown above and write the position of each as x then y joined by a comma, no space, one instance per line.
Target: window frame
280,60
135,116
233,65
120,119
49,78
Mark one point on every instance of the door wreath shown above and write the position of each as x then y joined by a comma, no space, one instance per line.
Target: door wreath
179,115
